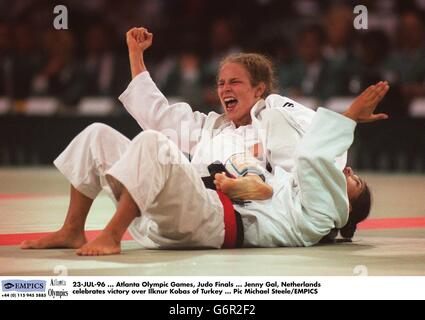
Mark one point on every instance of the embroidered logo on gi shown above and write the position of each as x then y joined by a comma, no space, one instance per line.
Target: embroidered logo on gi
288,104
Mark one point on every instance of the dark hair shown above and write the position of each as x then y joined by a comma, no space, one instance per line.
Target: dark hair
259,67
360,209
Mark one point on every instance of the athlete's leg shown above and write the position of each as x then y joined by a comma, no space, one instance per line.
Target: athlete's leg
83,163
71,235
109,241
176,209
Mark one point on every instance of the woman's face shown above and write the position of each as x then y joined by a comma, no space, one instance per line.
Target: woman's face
236,93
355,185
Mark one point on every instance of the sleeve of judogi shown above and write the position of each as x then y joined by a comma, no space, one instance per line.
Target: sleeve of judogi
281,141
284,122
322,185
149,107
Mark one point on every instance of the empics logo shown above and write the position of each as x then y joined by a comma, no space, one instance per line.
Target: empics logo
24,286
8,286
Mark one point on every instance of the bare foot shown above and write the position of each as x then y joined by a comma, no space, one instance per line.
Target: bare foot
250,187
104,244
55,240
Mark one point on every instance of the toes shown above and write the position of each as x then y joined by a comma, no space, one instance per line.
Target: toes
82,251
93,249
25,245
28,244
88,251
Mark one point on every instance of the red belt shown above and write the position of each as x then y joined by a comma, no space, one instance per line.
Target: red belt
233,229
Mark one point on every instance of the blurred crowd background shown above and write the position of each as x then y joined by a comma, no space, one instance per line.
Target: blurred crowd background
53,83
316,50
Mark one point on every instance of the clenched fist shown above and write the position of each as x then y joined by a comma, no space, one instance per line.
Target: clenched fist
138,40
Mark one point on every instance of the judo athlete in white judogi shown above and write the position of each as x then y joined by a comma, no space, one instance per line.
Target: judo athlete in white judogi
160,196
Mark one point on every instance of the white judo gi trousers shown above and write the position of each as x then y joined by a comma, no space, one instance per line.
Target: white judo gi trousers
177,211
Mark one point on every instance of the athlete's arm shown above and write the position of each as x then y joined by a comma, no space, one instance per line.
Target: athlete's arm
138,40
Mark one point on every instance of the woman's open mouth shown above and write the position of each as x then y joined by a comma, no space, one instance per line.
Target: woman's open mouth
230,103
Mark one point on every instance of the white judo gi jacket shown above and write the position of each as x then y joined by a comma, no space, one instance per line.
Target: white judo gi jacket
280,121
312,199
291,217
